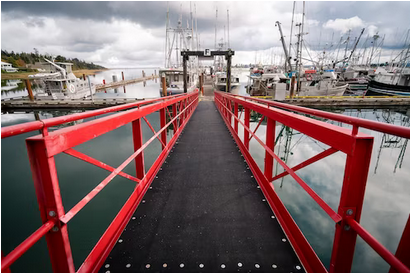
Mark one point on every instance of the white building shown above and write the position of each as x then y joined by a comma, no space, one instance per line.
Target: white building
8,67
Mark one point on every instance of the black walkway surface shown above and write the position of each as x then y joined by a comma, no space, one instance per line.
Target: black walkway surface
204,212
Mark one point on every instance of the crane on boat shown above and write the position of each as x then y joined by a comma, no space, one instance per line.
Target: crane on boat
284,46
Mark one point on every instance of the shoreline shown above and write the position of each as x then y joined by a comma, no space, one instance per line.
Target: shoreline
24,75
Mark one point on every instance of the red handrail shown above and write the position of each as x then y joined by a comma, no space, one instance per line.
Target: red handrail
26,245
358,152
365,123
40,124
378,247
44,170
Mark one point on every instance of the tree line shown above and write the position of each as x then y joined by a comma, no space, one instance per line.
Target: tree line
20,60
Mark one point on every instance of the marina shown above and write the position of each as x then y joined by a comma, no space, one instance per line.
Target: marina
209,148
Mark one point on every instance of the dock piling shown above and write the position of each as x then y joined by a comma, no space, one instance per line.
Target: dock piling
122,73
292,87
164,86
30,91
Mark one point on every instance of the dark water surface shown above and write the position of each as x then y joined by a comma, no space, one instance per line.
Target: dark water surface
385,212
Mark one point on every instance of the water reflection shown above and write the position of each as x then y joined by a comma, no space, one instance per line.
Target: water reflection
387,203
76,179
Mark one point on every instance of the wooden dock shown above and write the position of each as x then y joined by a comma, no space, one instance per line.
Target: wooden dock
122,83
24,104
27,105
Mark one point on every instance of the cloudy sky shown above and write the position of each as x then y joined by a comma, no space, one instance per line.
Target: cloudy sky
132,34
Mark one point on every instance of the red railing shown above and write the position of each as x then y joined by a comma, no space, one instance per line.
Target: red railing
357,147
42,149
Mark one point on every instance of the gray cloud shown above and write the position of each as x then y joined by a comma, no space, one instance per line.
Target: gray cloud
102,31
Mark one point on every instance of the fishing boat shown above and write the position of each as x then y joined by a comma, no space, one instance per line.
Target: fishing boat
174,78
182,39
220,83
61,83
396,83
316,87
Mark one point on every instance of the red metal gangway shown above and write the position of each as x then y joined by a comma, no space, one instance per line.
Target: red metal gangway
357,147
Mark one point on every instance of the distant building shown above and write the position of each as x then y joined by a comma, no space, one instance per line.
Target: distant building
8,67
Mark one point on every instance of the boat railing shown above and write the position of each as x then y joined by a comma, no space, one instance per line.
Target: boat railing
44,147
357,147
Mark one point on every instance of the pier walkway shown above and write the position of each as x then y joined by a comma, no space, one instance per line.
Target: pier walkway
206,204
204,212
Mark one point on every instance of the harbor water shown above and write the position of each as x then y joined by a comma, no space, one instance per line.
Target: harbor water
384,215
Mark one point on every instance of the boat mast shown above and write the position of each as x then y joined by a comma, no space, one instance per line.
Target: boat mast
300,45
290,38
196,29
227,14
355,45
347,45
224,42
338,49
166,35
380,51
287,62
216,22
192,26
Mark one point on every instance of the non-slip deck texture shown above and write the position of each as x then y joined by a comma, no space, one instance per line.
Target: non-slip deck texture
204,212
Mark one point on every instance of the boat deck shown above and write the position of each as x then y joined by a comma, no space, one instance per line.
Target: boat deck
204,212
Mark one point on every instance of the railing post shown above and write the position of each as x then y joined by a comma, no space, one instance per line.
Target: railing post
270,142
163,122
138,142
51,206
230,112
351,203
181,117
235,121
247,124
403,249
174,114
185,107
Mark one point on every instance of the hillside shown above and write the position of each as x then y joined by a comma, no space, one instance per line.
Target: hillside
20,60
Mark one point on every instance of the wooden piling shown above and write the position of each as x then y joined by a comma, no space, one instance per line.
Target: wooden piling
292,87
83,76
200,83
30,92
164,86
122,73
